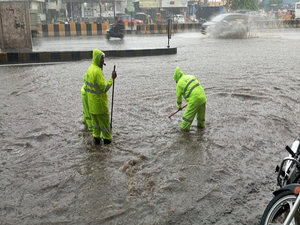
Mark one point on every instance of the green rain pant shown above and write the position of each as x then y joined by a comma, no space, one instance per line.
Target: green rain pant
101,124
87,119
192,110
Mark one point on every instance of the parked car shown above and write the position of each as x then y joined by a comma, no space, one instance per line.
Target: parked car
179,18
233,25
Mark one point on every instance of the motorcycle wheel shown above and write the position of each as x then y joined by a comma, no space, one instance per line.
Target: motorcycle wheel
278,209
107,36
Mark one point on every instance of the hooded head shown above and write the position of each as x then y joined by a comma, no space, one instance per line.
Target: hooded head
98,57
178,74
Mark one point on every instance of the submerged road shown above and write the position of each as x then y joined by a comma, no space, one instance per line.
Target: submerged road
182,39
152,173
91,42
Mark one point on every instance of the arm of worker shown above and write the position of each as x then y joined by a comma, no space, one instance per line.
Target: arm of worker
111,80
179,97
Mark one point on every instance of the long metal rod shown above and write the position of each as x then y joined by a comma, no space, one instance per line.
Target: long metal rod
112,102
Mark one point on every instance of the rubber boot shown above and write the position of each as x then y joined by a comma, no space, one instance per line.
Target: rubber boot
107,141
97,141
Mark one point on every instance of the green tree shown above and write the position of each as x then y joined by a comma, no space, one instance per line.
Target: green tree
250,5
275,2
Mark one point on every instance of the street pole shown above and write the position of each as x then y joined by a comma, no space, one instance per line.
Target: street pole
100,11
72,14
114,10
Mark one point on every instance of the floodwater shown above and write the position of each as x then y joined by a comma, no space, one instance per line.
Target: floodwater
152,173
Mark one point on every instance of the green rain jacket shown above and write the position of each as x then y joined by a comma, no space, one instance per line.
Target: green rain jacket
96,86
189,88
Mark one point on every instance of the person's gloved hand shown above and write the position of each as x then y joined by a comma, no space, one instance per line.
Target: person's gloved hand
113,74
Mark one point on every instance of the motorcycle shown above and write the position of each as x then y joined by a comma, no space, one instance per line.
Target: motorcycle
284,207
115,31
288,171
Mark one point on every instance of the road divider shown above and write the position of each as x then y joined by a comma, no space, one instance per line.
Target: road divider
64,56
90,29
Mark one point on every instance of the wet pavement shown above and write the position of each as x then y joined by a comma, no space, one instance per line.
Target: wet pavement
152,173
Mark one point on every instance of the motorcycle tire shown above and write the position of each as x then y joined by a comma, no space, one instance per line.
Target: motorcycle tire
278,209
107,36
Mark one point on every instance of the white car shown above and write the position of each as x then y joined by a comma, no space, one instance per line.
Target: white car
179,18
227,25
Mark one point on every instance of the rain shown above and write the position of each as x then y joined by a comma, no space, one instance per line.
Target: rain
152,173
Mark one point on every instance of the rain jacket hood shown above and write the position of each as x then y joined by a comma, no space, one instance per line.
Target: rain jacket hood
97,54
178,74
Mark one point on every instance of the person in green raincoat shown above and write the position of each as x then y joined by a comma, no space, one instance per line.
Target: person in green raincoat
192,91
96,88
87,119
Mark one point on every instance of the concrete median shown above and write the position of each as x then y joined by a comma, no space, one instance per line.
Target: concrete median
64,56
91,29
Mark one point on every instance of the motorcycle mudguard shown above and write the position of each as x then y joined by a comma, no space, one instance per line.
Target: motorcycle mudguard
293,188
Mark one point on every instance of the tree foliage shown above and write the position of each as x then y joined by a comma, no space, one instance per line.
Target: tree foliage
275,1
250,5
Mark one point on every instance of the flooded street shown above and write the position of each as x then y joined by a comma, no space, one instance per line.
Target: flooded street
152,173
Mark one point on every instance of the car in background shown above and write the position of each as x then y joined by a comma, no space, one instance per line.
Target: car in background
144,17
227,25
179,18
256,16
127,18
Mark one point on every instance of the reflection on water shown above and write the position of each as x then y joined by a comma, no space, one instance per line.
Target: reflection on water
153,173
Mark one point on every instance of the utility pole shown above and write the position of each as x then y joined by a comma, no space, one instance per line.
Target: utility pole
114,10
100,11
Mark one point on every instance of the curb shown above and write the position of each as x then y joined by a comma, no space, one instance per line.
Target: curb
46,57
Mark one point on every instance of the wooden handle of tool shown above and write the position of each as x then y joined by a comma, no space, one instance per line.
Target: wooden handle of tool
177,111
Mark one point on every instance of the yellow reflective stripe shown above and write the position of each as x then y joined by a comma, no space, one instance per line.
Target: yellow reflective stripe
107,88
186,86
96,86
105,129
93,91
187,120
196,85
90,84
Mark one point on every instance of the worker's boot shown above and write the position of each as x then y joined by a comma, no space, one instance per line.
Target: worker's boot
107,141
97,141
